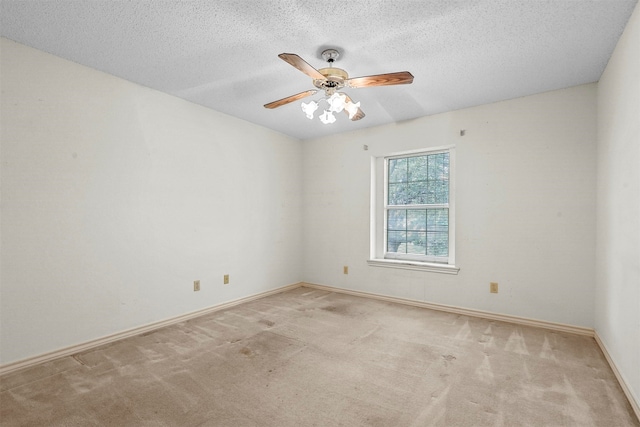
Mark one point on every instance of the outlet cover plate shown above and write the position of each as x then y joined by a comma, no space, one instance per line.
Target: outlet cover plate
493,287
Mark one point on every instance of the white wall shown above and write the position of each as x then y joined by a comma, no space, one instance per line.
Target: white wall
617,303
116,197
525,206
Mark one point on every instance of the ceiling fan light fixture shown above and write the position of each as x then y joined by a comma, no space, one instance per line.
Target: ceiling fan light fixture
336,102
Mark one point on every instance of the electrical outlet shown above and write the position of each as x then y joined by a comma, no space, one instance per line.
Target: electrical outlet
345,269
493,287
196,285
226,279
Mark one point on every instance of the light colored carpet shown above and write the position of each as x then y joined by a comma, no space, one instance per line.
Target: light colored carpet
313,358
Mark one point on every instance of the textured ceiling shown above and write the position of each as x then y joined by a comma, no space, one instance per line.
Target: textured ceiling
223,54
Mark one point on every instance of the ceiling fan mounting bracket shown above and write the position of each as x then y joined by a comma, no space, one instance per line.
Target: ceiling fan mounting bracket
330,55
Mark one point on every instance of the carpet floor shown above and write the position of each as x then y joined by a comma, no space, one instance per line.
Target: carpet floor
308,357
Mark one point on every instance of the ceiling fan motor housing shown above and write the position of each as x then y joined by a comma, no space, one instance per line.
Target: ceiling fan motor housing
334,78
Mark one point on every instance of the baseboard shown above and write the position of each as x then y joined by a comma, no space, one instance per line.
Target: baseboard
560,327
68,351
625,388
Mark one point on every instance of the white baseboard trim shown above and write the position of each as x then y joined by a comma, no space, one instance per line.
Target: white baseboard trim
68,351
633,401
561,327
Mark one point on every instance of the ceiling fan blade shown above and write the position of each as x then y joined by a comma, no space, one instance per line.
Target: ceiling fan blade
400,78
288,99
360,114
301,65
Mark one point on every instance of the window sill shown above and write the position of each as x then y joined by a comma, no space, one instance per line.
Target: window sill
414,265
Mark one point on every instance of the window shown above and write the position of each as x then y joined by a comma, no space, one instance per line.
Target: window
413,223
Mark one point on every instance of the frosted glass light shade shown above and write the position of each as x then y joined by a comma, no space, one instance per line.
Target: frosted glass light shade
327,117
352,108
337,102
309,108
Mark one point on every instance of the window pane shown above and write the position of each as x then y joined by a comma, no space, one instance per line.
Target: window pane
416,193
397,194
417,219
438,220
417,168
416,242
396,241
397,219
445,165
438,244
397,170
439,192
436,166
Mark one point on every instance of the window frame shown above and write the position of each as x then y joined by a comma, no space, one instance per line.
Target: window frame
379,257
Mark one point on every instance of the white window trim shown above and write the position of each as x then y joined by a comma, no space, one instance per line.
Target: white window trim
378,217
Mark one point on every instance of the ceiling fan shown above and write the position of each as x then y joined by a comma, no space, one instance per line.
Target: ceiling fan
332,80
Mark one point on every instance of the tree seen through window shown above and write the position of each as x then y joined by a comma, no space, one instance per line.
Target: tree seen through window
417,205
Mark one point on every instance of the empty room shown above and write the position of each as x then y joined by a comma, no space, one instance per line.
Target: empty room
294,213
